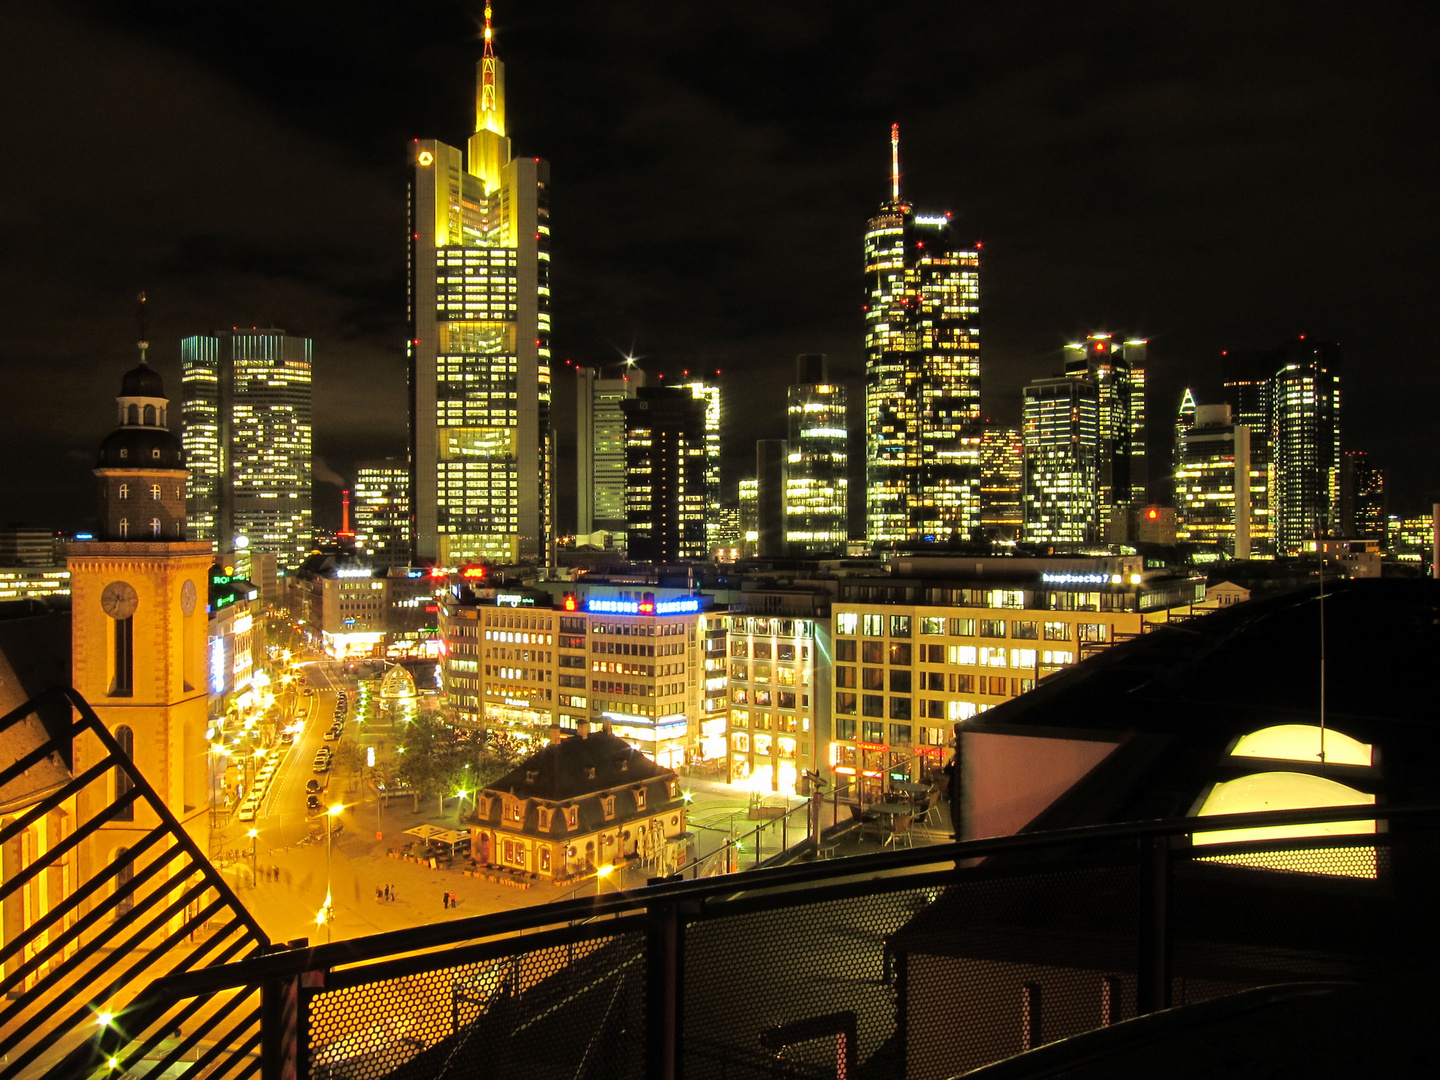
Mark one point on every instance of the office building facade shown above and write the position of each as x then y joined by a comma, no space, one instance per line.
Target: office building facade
1002,476
382,511
1363,512
1061,435
666,490
246,428
817,484
1212,482
708,393
479,305
1247,379
1117,368
922,372
1305,446
600,450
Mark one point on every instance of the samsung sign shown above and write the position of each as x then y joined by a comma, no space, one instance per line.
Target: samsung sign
642,607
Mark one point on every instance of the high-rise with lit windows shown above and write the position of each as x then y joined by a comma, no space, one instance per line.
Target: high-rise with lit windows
1305,446
600,450
245,425
382,511
479,301
1002,473
1363,510
922,372
1061,435
708,391
665,488
1117,368
1212,482
817,483
1247,379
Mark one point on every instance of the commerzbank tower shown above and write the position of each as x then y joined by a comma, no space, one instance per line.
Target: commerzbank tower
481,451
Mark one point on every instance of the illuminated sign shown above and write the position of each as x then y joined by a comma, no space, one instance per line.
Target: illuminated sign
570,603
473,572
426,158
641,607
217,665
521,702
921,219
354,572
514,599
1075,579
872,747
414,573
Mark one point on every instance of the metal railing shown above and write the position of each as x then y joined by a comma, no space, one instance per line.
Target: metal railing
920,963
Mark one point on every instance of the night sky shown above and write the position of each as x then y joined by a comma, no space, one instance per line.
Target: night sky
1207,176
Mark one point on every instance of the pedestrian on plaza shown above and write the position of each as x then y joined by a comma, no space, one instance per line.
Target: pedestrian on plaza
379,894
454,903
445,899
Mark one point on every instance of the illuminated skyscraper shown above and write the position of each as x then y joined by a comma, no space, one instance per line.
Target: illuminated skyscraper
600,449
1117,369
665,489
479,301
709,393
245,417
1002,471
1212,482
382,511
1363,512
1062,449
922,371
1305,446
817,484
1247,378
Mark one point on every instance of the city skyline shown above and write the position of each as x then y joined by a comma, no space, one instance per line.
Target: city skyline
1188,225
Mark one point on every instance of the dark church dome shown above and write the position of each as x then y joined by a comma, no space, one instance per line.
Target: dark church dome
142,381
141,447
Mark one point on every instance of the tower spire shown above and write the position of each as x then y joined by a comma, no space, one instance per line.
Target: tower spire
143,343
894,161
487,69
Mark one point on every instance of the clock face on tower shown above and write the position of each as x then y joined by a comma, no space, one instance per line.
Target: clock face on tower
119,600
187,597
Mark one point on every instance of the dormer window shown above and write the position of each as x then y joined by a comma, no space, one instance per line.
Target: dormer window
607,806
484,808
589,772
531,775
639,798
572,817
546,816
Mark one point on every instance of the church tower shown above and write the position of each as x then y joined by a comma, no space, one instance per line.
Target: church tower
138,619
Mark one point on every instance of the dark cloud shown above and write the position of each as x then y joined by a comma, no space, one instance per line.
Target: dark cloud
1210,177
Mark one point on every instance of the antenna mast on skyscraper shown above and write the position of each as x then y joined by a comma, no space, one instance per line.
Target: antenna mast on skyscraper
144,342
487,77
895,162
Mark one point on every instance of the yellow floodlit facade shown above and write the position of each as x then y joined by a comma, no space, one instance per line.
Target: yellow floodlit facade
481,450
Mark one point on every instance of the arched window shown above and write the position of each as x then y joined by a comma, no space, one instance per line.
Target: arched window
154,526
124,874
123,784
124,491
155,492
150,415
123,528
133,415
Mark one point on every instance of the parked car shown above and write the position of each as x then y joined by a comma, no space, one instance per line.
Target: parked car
321,764
312,803
248,809
312,786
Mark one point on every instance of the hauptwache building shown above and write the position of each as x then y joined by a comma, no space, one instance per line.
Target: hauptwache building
941,639
647,660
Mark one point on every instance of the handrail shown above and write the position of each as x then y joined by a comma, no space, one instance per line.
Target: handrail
374,947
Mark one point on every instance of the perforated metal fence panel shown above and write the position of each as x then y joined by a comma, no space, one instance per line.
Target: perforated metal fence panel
572,1011
753,973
